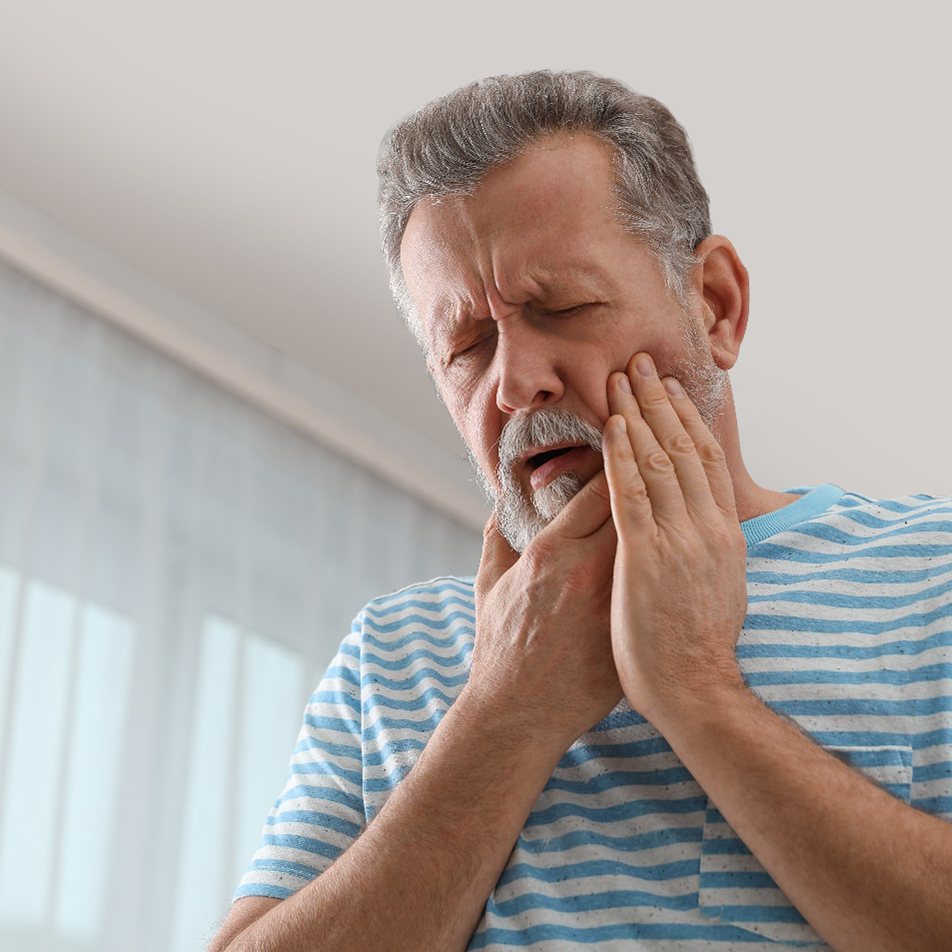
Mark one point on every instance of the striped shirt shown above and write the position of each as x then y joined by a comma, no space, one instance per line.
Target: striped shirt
848,633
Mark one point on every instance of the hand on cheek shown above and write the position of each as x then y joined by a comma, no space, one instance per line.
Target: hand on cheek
679,589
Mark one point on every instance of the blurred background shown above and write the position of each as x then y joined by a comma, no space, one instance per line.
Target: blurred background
217,441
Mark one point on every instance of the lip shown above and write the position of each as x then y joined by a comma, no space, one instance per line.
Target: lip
551,468
545,448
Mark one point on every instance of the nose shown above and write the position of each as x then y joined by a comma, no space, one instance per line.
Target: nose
527,374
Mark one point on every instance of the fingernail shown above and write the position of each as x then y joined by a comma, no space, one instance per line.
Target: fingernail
624,383
645,365
673,387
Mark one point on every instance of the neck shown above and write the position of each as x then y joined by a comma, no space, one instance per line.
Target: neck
750,498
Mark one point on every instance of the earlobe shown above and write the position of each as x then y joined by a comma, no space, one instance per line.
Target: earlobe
725,359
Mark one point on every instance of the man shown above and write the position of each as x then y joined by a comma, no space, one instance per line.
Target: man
674,709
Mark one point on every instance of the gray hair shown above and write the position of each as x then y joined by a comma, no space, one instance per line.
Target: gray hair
449,145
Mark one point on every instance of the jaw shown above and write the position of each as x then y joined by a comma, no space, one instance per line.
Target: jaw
521,514
552,498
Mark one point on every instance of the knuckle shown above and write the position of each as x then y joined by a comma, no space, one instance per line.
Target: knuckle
658,461
711,451
681,443
536,554
635,490
656,398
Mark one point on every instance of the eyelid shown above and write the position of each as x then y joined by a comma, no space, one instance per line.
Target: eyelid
471,346
565,310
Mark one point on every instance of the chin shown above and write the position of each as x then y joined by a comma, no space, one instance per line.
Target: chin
553,497
520,519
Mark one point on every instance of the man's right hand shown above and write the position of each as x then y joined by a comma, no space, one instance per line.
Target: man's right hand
541,675
543,656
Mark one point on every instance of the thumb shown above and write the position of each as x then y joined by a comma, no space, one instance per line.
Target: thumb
585,513
497,558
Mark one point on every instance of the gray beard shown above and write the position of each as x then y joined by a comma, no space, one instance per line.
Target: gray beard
521,516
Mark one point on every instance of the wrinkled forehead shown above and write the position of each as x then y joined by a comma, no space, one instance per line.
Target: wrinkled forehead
537,221
559,173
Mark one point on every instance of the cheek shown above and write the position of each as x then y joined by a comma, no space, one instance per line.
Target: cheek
484,425
476,418
598,401
589,380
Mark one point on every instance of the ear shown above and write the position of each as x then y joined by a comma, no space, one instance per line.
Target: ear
721,285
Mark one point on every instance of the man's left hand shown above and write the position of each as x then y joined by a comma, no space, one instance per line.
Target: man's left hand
679,590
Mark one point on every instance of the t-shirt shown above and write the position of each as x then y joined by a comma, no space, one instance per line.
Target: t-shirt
848,633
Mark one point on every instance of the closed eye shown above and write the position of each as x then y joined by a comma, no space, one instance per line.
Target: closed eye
470,351
565,311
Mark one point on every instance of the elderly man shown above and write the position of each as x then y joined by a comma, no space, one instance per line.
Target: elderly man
674,709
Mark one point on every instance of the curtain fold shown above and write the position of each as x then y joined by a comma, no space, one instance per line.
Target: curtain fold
177,569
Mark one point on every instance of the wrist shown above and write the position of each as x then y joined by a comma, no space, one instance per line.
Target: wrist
536,739
691,705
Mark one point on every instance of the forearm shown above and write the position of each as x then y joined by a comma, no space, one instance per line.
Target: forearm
419,876
869,872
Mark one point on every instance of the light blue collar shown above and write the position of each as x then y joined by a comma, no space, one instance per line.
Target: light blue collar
811,503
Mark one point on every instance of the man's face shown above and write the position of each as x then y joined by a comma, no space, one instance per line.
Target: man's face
529,295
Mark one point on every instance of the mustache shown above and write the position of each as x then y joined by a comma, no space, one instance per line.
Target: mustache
543,427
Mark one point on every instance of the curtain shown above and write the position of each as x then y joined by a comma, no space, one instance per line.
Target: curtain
177,569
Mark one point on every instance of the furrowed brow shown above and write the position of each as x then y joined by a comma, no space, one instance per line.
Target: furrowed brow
450,320
573,278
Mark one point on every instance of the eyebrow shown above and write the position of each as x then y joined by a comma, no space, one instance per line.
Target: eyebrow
585,279
581,280
452,318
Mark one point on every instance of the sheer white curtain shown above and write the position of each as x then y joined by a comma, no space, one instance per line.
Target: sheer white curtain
176,571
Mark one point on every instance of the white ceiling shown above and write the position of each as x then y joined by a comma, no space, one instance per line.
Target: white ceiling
227,150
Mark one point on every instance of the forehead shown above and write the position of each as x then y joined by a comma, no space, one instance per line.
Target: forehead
541,219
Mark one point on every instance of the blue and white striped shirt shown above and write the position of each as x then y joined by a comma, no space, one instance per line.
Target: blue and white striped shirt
848,633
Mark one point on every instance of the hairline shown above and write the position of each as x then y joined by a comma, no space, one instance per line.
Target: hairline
401,292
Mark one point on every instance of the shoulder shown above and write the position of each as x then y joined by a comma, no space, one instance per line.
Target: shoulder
443,589
900,539
440,607
918,511
913,504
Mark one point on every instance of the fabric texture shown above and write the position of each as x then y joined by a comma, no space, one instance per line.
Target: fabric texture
848,633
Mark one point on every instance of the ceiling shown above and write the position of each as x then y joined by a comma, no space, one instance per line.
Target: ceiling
227,150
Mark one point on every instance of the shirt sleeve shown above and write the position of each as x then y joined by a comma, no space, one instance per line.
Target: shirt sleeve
321,809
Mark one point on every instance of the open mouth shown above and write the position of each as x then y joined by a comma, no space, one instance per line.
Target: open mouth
534,462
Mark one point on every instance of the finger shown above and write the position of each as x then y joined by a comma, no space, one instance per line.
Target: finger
689,492
709,451
585,513
497,557
654,464
631,507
